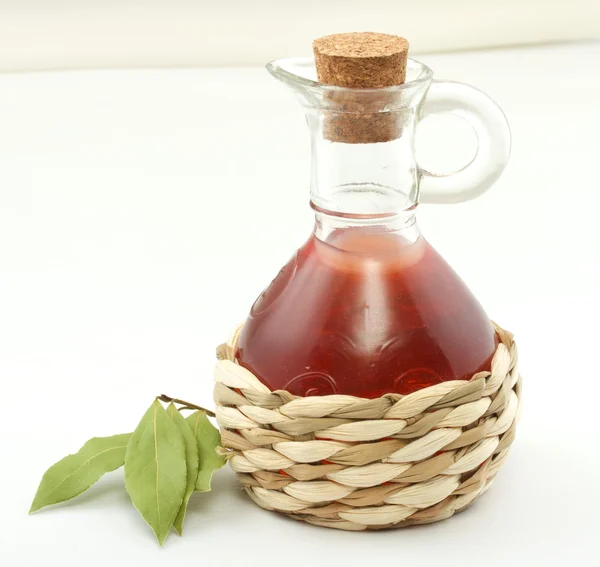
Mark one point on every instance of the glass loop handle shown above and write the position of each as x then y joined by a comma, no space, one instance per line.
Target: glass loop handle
493,143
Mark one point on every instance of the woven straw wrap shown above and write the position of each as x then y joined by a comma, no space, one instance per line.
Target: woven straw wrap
354,463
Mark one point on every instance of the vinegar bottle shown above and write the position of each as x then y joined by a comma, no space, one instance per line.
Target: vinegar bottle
367,306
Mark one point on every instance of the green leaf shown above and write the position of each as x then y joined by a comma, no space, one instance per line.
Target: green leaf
155,470
207,438
76,473
191,459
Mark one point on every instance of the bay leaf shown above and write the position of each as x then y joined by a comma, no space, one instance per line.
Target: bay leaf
207,438
191,459
155,470
74,474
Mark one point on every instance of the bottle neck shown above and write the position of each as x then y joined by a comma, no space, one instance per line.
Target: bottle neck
366,179
332,228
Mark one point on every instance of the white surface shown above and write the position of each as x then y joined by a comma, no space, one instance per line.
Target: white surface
142,212
43,34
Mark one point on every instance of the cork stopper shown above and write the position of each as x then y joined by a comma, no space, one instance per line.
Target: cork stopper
358,61
362,60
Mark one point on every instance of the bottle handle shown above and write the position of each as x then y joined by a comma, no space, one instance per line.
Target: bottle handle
493,147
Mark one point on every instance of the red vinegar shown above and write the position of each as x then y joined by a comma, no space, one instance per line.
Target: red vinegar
365,313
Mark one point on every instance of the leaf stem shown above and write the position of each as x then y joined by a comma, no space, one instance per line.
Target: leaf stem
184,404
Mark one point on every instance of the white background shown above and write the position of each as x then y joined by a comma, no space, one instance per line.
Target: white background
51,34
141,212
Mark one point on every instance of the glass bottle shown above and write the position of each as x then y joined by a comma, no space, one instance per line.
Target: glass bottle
367,306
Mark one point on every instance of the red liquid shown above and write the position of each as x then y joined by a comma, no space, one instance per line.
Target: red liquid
367,314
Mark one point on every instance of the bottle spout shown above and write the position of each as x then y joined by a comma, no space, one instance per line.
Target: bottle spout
300,75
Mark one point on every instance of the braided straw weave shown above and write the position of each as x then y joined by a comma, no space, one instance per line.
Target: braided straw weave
354,463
